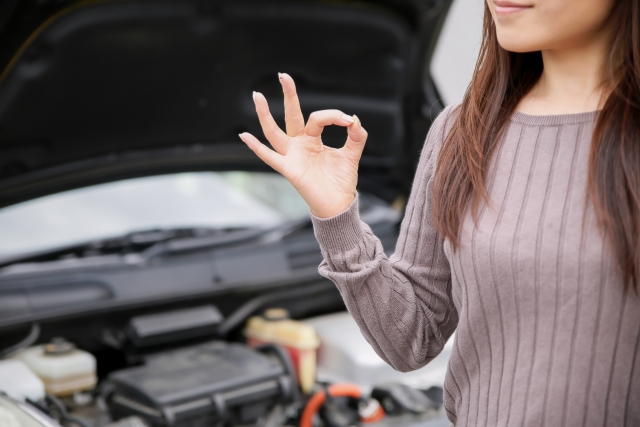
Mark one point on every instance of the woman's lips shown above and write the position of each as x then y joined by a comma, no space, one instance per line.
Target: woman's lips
508,7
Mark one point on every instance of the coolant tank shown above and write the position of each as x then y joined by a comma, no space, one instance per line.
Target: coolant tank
63,368
19,382
299,339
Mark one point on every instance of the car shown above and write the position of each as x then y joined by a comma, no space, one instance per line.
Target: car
139,233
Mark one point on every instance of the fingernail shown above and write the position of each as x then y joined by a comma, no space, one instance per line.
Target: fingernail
356,120
254,95
280,76
240,135
348,118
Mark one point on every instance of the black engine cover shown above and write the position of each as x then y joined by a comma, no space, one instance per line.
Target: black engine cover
215,383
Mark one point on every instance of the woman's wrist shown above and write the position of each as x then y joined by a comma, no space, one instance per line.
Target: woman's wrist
336,207
340,232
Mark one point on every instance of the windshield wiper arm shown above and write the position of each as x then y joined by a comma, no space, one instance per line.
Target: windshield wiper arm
147,244
235,237
198,243
133,243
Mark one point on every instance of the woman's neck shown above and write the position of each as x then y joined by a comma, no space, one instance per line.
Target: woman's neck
572,80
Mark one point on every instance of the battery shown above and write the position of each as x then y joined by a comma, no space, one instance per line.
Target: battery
214,383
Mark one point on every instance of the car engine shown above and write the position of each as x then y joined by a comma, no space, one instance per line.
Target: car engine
281,375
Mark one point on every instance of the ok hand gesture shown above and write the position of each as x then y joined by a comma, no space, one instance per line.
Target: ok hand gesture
325,177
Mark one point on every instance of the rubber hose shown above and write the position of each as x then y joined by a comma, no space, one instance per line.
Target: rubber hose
318,399
34,333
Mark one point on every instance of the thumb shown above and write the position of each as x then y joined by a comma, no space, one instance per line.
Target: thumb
357,137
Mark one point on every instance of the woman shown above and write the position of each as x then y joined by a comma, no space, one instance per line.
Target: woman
522,231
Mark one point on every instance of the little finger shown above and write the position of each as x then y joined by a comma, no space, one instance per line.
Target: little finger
270,157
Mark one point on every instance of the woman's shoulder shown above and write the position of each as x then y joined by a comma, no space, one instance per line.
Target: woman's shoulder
444,121
450,110
441,127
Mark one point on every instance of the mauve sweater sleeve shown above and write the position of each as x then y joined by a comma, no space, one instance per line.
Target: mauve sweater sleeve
403,303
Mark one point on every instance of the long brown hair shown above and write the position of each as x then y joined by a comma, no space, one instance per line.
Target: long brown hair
500,80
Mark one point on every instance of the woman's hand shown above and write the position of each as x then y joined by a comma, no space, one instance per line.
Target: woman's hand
325,177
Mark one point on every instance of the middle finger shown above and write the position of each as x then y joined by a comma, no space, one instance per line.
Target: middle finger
292,112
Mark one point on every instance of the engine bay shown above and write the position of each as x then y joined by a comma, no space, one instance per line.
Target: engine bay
170,327
179,371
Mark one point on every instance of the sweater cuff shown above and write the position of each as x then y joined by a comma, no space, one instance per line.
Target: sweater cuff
339,233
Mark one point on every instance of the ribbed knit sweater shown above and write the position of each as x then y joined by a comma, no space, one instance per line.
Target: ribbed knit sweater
545,334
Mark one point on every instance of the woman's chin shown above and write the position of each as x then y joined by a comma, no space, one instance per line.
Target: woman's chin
519,44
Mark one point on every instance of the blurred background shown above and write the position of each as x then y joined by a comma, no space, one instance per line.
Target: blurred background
153,272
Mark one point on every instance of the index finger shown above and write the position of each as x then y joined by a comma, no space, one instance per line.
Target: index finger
319,119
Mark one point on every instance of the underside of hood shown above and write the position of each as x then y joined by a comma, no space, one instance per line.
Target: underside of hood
96,91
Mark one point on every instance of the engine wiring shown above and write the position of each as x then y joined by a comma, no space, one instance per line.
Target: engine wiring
34,334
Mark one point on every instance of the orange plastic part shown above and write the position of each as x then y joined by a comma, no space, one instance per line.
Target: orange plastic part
318,399
374,413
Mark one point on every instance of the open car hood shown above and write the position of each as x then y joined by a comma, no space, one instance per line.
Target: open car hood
96,91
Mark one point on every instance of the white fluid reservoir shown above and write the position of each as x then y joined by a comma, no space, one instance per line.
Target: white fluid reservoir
346,356
19,382
62,367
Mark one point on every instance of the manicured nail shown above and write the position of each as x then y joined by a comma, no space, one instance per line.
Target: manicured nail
347,118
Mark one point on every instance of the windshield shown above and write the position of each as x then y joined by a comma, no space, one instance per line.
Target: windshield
200,199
